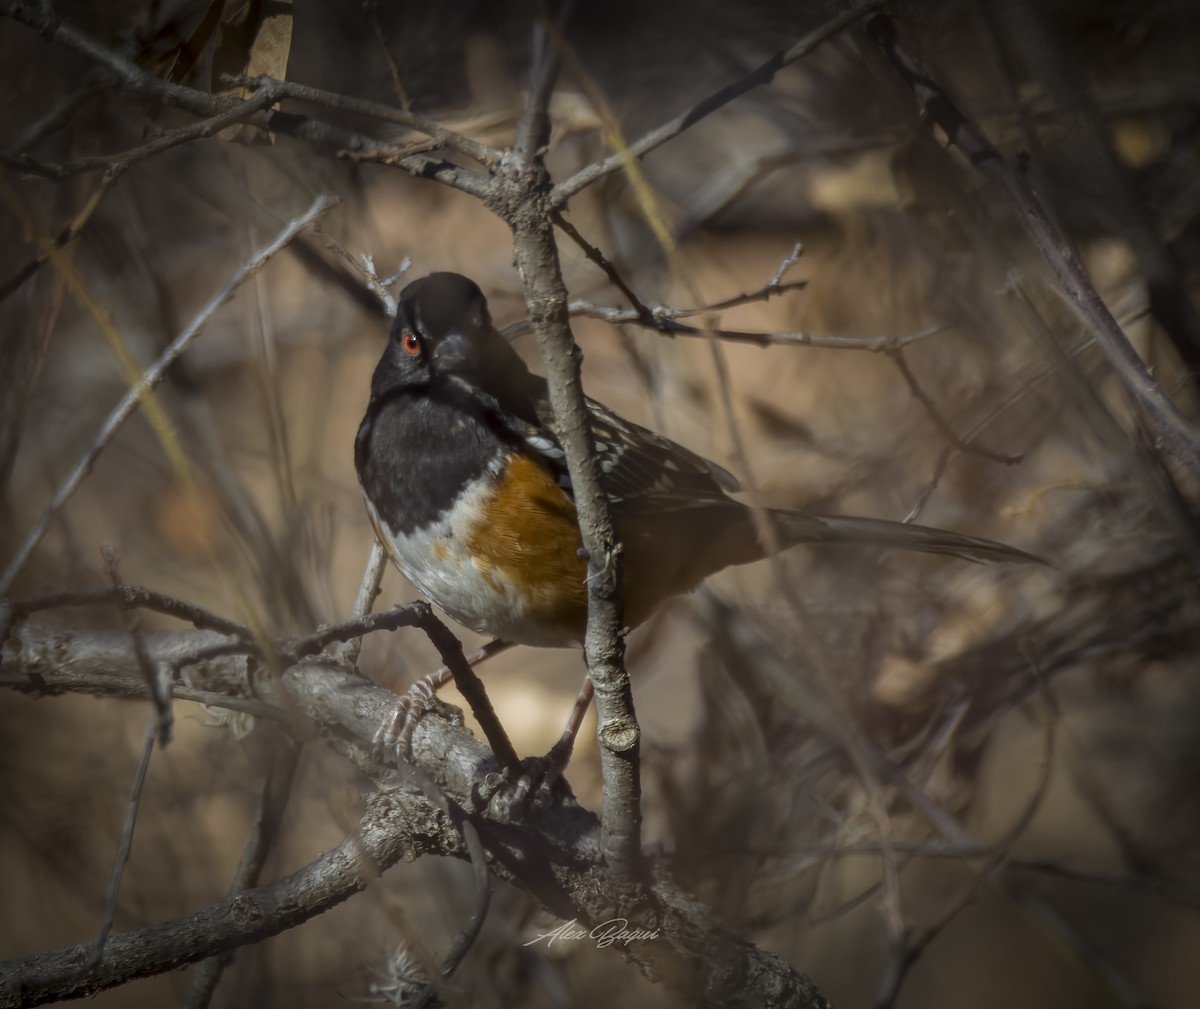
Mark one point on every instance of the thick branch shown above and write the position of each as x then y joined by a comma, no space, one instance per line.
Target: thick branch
604,645
556,857
397,825
522,201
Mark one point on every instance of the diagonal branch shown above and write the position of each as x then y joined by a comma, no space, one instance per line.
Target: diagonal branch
1179,439
267,822
396,825
441,135
150,380
763,74
130,596
939,421
115,165
558,859
129,77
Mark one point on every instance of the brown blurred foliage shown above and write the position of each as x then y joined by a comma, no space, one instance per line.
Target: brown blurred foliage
1050,715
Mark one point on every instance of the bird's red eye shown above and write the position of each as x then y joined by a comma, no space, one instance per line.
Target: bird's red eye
410,342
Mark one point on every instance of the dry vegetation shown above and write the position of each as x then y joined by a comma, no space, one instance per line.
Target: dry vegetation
917,781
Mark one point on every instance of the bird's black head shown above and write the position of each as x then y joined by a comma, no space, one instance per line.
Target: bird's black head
443,335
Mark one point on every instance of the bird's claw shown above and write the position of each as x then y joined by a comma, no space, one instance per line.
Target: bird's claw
511,794
394,736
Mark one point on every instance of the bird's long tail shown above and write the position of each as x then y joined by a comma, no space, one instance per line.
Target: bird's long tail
799,527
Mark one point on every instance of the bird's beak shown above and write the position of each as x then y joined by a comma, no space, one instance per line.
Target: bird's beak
451,354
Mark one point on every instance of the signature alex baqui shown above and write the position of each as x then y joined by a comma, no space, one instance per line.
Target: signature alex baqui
607,933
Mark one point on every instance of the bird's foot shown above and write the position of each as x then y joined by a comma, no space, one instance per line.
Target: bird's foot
395,734
513,793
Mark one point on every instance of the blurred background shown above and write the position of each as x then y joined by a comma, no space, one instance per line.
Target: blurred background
1045,833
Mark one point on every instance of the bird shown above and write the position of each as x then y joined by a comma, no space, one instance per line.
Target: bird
467,487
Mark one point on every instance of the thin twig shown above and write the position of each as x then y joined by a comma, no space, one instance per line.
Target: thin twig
469,685
785,264
893,980
602,261
763,74
276,790
441,135
60,242
132,78
150,380
1178,437
364,600
663,320
116,165
123,848
158,680
356,627
418,614
129,596
935,481
480,877
371,10
940,422
363,268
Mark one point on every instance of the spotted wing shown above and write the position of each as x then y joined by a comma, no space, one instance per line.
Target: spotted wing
639,467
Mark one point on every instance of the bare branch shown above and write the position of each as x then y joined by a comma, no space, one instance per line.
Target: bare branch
396,825
662,320
763,74
368,592
121,859
525,208
60,242
533,128
602,261
604,647
150,380
559,860
132,596
116,165
939,421
271,807
1179,439
132,78
442,136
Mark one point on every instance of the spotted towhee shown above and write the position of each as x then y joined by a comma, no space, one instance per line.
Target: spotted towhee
467,486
